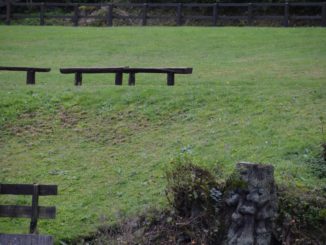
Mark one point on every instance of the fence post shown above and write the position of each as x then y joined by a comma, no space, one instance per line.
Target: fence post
250,16
8,12
215,13
286,14
109,18
42,10
144,21
179,16
76,14
34,214
323,14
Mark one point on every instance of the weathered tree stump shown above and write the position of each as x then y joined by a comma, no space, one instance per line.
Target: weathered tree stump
253,205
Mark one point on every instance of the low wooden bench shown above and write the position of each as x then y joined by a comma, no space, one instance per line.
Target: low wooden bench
33,212
169,71
78,71
30,78
131,71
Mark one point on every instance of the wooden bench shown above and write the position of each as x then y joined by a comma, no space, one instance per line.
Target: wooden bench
33,212
30,78
78,71
131,71
169,71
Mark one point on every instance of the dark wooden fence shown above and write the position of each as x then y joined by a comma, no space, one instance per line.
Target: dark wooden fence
176,13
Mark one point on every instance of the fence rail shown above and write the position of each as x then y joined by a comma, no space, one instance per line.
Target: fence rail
214,15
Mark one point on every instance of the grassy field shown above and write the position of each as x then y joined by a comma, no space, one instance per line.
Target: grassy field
256,94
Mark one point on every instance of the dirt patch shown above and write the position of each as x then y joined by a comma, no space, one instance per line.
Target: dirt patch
70,119
31,124
114,129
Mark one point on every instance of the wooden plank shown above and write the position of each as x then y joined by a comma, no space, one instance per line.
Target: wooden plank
88,4
129,5
27,189
60,16
13,68
121,17
198,5
233,17
61,4
24,16
30,4
269,4
177,70
269,17
91,70
234,4
306,4
162,5
198,17
15,211
160,17
30,239
306,17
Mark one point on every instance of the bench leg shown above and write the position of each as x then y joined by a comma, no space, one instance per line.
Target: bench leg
118,78
132,79
170,79
78,79
30,79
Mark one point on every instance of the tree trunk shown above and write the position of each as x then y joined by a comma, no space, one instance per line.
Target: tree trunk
253,205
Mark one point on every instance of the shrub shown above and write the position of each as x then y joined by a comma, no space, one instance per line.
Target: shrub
189,189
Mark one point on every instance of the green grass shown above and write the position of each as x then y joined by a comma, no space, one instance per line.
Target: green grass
256,94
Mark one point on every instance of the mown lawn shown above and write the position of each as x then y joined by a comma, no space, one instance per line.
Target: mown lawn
256,94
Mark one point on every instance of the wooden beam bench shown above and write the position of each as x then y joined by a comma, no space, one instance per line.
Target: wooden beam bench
131,71
169,71
78,71
30,78
34,212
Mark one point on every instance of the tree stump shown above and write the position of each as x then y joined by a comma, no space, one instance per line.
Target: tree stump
253,205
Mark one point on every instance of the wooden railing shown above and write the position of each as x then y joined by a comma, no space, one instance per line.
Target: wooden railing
215,14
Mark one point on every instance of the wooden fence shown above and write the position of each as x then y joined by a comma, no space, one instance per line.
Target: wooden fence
214,14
